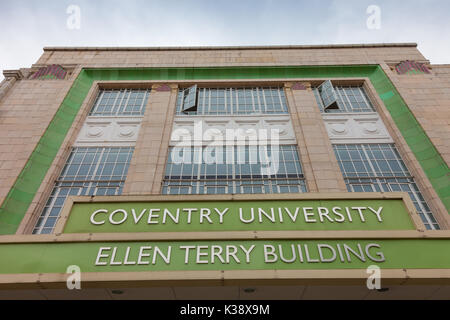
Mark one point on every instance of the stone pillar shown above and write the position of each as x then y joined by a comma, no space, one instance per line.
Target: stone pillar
149,159
321,168
11,76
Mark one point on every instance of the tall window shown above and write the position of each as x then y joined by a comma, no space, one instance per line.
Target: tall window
367,156
231,101
265,167
379,168
348,98
88,171
96,167
252,170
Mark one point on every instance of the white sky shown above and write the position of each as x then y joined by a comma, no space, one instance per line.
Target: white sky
27,26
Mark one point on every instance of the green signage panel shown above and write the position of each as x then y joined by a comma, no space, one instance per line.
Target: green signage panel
224,255
274,215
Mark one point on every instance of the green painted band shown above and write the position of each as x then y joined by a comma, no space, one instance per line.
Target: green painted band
201,216
225,255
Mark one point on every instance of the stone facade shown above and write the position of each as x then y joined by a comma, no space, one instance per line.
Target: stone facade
28,106
25,112
428,97
239,56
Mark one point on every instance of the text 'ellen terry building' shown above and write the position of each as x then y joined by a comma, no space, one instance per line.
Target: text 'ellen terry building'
279,172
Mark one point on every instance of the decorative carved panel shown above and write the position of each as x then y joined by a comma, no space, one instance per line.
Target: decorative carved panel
109,131
411,67
54,71
356,128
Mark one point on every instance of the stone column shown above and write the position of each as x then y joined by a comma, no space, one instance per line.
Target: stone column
11,76
149,159
321,168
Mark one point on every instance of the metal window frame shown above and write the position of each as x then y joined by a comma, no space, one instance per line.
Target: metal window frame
343,101
190,99
232,103
231,179
91,184
119,107
378,177
328,95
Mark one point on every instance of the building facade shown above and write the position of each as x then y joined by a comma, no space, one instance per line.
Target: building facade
279,172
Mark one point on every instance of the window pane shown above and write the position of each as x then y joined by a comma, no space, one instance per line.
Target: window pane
328,95
190,99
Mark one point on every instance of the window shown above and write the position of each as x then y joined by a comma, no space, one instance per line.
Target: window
190,99
231,101
88,171
339,99
379,168
236,169
124,102
328,96
99,166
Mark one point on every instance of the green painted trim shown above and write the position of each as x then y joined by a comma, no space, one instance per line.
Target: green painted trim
19,198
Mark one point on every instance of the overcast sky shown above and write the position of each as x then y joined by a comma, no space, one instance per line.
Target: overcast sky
27,26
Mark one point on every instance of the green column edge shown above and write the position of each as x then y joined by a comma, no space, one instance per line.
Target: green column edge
19,198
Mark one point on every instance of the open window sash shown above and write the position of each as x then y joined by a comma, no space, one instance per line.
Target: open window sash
190,99
328,95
